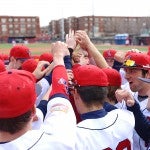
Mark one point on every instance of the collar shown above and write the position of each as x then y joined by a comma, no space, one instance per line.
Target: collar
142,98
94,114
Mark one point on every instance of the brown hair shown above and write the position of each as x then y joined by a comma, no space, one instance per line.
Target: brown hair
14,125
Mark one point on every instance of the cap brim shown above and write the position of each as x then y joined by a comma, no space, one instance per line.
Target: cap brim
138,67
145,80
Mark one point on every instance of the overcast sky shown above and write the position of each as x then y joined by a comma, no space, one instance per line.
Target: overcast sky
49,10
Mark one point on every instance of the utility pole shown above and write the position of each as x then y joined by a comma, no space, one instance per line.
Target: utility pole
93,20
62,27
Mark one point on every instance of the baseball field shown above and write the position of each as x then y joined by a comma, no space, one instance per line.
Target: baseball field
38,48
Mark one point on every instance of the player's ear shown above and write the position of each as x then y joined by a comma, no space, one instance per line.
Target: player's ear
147,74
12,59
33,110
77,96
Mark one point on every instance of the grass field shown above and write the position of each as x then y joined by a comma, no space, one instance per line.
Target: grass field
38,48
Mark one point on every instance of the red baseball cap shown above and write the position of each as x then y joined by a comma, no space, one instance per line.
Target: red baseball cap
90,75
46,57
1,57
2,66
36,57
148,53
17,94
110,53
114,77
20,51
29,65
137,60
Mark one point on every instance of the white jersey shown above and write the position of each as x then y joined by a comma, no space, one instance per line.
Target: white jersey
40,118
122,74
44,88
113,131
139,143
57,131
126,86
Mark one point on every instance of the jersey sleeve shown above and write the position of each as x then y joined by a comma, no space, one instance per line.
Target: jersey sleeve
59,82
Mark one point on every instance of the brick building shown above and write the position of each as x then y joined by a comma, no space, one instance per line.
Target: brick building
101,26
19,28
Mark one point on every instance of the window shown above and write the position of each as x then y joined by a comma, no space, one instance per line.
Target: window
33,19
86,30
126,19
86,24
3,20
29,19
96,19
10,20
16,25
10,26
96,24
28,25
134,19
11,31
22,19
16,31
4,28
85,19
33,25
22,28
16,19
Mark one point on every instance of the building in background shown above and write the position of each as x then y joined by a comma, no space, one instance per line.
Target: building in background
104,28
19,29
45,36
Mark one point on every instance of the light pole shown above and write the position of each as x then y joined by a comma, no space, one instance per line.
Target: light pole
62,26
93,20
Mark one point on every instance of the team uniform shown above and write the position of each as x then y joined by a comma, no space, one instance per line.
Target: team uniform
139,143
106,131
58,129
44,84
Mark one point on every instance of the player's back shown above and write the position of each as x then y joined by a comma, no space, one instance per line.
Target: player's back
35,140
111,132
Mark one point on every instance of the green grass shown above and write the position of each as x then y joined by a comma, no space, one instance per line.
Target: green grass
122,47
33,45
38,48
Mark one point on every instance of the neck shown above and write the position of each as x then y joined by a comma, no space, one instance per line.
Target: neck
144,90
7,137
91,108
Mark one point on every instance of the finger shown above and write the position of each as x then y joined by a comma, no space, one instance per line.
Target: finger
67,36
72,33
130,103
69,33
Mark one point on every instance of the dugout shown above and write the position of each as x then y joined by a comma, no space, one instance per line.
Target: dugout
120,39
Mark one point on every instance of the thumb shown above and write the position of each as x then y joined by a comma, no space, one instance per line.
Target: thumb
130,103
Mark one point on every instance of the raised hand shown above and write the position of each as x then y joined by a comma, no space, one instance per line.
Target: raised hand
126,96
70,39
82,39
39,72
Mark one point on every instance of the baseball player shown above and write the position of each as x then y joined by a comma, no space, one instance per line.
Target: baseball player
17,55
142,124
98,128
137,65
17,99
